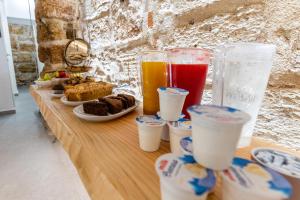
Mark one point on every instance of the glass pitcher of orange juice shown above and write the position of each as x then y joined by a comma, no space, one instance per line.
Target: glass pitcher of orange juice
153,75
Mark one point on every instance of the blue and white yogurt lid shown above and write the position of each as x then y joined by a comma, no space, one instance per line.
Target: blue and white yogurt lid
183,124
173,91
186,145
184,173
279,161
181,116
150,120
219,114
253,178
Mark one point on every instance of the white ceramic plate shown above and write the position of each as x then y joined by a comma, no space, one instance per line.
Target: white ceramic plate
65,101
78,111
53,95
43,84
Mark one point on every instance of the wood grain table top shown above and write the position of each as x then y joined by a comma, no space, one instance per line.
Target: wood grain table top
107,154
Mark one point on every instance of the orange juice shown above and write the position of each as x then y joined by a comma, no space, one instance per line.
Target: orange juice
154,75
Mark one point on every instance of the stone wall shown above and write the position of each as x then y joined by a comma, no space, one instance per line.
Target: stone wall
23,52
56,21
119,30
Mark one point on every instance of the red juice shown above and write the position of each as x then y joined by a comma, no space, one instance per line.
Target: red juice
191,77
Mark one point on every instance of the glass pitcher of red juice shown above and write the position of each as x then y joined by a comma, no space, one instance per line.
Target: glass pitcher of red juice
187,70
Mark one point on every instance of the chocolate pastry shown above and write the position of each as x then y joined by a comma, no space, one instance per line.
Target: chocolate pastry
58,92
95,108
124,101
114,105
130,99
58,87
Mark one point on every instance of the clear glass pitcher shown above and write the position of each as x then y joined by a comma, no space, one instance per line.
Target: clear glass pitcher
241,73
154,74
188,69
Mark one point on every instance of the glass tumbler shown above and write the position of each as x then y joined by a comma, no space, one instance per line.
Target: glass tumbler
188,70
241,73
153,75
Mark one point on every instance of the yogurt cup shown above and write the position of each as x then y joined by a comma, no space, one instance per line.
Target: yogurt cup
150,129
165,135
216,131
182,178
282,162
178,130
247,180
171,102
186,145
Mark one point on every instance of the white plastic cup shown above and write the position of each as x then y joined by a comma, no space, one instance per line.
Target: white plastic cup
186,145
150,129
171,102
249,181
178,130
282,162
216,131
182,178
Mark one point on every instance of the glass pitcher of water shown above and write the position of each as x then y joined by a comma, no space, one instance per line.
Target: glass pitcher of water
241,73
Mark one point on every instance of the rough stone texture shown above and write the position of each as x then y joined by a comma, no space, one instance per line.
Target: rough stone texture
119,30
55,23
23,50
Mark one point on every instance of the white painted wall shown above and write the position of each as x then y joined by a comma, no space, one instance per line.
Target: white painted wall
5,35
20,9
6,97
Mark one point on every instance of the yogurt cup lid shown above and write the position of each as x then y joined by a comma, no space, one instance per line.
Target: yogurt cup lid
254,178
150,120
219,114
183,124
279,161
184,173
173,91
186,145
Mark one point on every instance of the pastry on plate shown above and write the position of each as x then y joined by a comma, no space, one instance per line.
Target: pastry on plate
130,99
114,105
95,108
88,91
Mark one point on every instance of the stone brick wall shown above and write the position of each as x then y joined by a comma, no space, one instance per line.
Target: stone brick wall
23,50
119,30
55,22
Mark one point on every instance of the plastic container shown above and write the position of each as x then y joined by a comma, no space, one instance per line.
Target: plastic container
182,178
216,131
247,180
150,129
171,102
241,73
282,162
186,145
178,130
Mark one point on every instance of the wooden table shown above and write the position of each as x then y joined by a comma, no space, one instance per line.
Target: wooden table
107,155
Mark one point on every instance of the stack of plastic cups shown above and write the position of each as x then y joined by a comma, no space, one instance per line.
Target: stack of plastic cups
171,101
215,134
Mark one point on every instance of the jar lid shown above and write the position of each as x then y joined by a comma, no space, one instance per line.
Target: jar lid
186,145
173,91
150,120
253,178
219,114
184,173
279,161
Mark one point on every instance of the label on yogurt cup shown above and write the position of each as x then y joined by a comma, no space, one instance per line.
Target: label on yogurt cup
184,173
257,179
186,145
150,120
173,90
183,124
220,114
